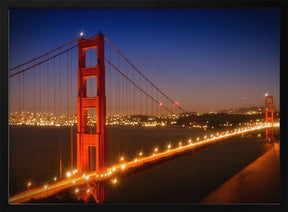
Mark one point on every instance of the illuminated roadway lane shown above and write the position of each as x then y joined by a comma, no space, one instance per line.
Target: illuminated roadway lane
74,179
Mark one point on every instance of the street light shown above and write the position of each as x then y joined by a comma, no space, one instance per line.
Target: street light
28,185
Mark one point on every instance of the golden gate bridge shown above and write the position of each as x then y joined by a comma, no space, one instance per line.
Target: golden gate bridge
111,91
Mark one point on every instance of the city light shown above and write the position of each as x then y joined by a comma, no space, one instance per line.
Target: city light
114,181
68,174
76,190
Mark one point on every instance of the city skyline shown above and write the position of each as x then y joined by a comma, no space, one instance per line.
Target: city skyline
205,59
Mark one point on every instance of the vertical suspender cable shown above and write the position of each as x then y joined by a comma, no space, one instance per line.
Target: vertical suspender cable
125,100
34,116
71,113
116,104
19,151
60,100
67,105
49,136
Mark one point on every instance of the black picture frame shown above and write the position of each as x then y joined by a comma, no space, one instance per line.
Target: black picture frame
7,4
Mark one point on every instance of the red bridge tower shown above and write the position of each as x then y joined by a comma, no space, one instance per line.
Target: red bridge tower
84,139
269,118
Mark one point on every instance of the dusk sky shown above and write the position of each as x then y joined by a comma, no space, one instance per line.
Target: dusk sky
205,59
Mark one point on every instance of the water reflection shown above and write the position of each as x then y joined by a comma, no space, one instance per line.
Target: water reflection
96,192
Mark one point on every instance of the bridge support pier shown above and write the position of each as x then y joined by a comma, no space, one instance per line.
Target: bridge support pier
84,138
